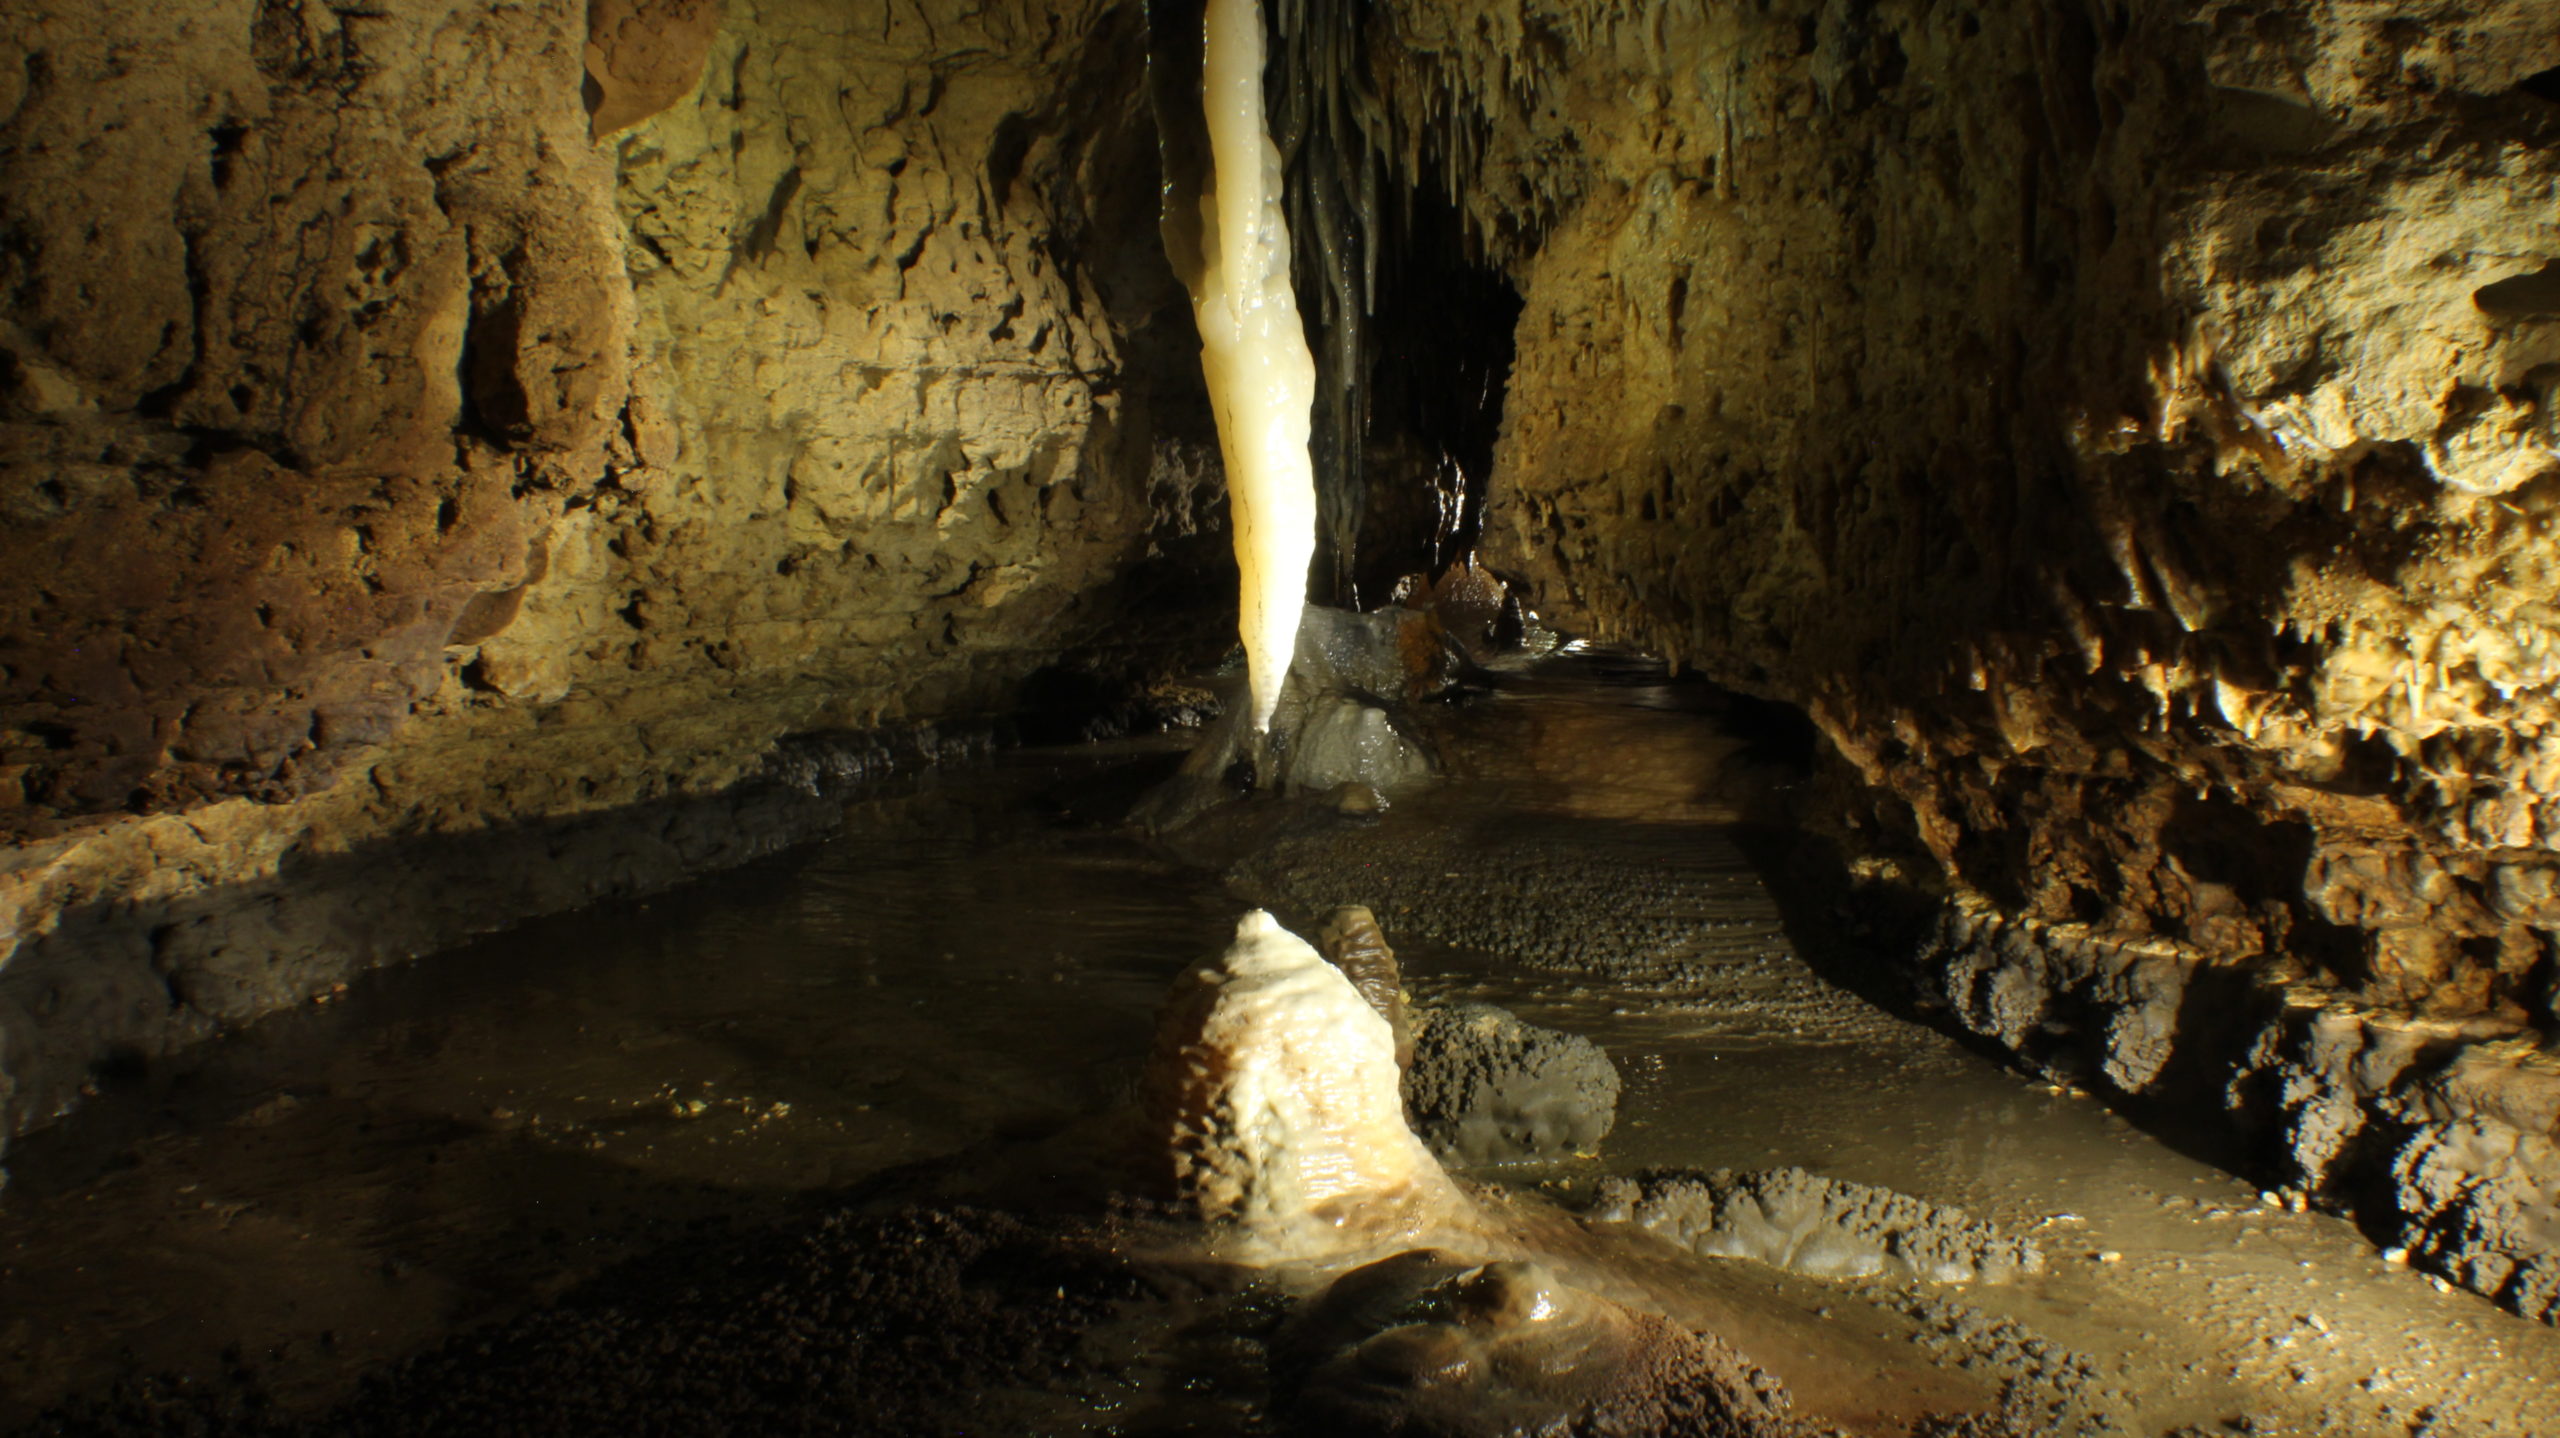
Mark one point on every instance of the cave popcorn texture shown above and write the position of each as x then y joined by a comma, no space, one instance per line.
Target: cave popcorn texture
1253,352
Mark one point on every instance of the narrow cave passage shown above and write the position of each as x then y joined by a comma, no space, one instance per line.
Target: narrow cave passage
1911,799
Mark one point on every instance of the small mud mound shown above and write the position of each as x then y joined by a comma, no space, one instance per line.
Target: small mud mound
895,1325
1816,1226
1429,1345
1486,1088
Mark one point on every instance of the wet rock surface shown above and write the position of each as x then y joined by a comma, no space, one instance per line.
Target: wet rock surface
2045,1388
1352,942
1820,1227
2435,1133
1555,895
939,1002
1484,1087
387,461
1431,1345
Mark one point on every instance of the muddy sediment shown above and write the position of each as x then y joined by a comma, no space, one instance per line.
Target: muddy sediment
1817,1226
1486,1088
936,1000
907,1323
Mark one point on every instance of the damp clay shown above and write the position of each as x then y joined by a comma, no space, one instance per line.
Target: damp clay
1487,1088
1816,1226
1273,1099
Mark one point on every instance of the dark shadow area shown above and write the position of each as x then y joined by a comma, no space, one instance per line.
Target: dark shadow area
2533,295
1878,941
1438,353
114,1001
1861,938
838,1319
374,1150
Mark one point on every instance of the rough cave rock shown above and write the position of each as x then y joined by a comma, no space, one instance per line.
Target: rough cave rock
2126,427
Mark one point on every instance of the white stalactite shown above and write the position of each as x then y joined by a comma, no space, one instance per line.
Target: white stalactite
1253,351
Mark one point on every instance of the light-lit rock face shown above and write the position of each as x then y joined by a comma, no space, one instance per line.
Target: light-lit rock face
2127,427
390,467
1273,1103
2129,430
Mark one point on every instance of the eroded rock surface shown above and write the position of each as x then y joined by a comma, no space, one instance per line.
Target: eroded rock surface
398,480
2128,430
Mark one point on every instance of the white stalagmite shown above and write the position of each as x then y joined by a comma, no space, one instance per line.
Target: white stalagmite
1253,351
1276,1103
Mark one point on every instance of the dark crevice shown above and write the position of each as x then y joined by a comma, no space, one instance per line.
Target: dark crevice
759,240
1437,354
1012,145
228,139
2527,296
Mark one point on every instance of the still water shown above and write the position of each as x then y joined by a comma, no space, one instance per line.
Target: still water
973,966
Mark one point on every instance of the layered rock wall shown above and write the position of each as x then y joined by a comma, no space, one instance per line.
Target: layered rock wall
446,447
2128,427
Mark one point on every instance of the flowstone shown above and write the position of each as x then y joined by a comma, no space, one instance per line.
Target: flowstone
1273,1103
1352,942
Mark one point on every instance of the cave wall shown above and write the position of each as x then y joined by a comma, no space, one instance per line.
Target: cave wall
461,460
456,460
2128,428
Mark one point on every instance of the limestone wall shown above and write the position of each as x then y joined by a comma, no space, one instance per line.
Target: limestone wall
419,506
2128,427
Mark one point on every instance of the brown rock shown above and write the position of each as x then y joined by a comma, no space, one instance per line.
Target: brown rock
1352,942
643,56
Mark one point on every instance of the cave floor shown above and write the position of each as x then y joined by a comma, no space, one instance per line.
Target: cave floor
971,970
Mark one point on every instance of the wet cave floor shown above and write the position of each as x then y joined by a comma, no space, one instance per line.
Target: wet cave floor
765,1072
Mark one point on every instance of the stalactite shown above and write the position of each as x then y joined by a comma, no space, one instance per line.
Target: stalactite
1227,237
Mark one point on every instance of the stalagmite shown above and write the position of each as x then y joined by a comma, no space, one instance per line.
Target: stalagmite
1253,351
1274,1100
